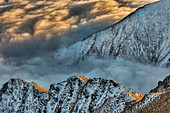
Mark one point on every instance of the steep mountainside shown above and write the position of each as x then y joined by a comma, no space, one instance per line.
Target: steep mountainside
143,36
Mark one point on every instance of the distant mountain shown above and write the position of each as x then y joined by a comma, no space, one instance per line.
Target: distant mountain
142,36
76,95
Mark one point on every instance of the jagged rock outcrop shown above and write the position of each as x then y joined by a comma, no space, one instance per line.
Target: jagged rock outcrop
142,36
77,94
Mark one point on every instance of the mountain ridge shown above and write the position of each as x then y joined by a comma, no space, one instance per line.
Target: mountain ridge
139,37
76,95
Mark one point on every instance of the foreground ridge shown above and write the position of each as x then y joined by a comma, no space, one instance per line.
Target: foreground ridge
76,94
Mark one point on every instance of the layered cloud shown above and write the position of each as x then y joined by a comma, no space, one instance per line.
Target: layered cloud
36,26
45,71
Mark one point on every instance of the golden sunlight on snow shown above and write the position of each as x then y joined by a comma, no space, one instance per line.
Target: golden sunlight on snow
85,79
137,96
36,85
39,87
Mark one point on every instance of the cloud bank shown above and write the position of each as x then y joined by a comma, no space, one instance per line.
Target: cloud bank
45,71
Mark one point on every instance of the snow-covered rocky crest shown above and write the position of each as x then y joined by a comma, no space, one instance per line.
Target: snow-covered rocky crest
20,96
143,36
79,94
76,94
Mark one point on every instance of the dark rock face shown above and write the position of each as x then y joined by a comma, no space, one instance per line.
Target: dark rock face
163,86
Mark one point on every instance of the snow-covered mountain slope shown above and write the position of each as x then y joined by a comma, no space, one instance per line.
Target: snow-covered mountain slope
142,36
77,95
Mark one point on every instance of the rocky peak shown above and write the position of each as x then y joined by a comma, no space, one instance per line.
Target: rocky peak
18,95
15,84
